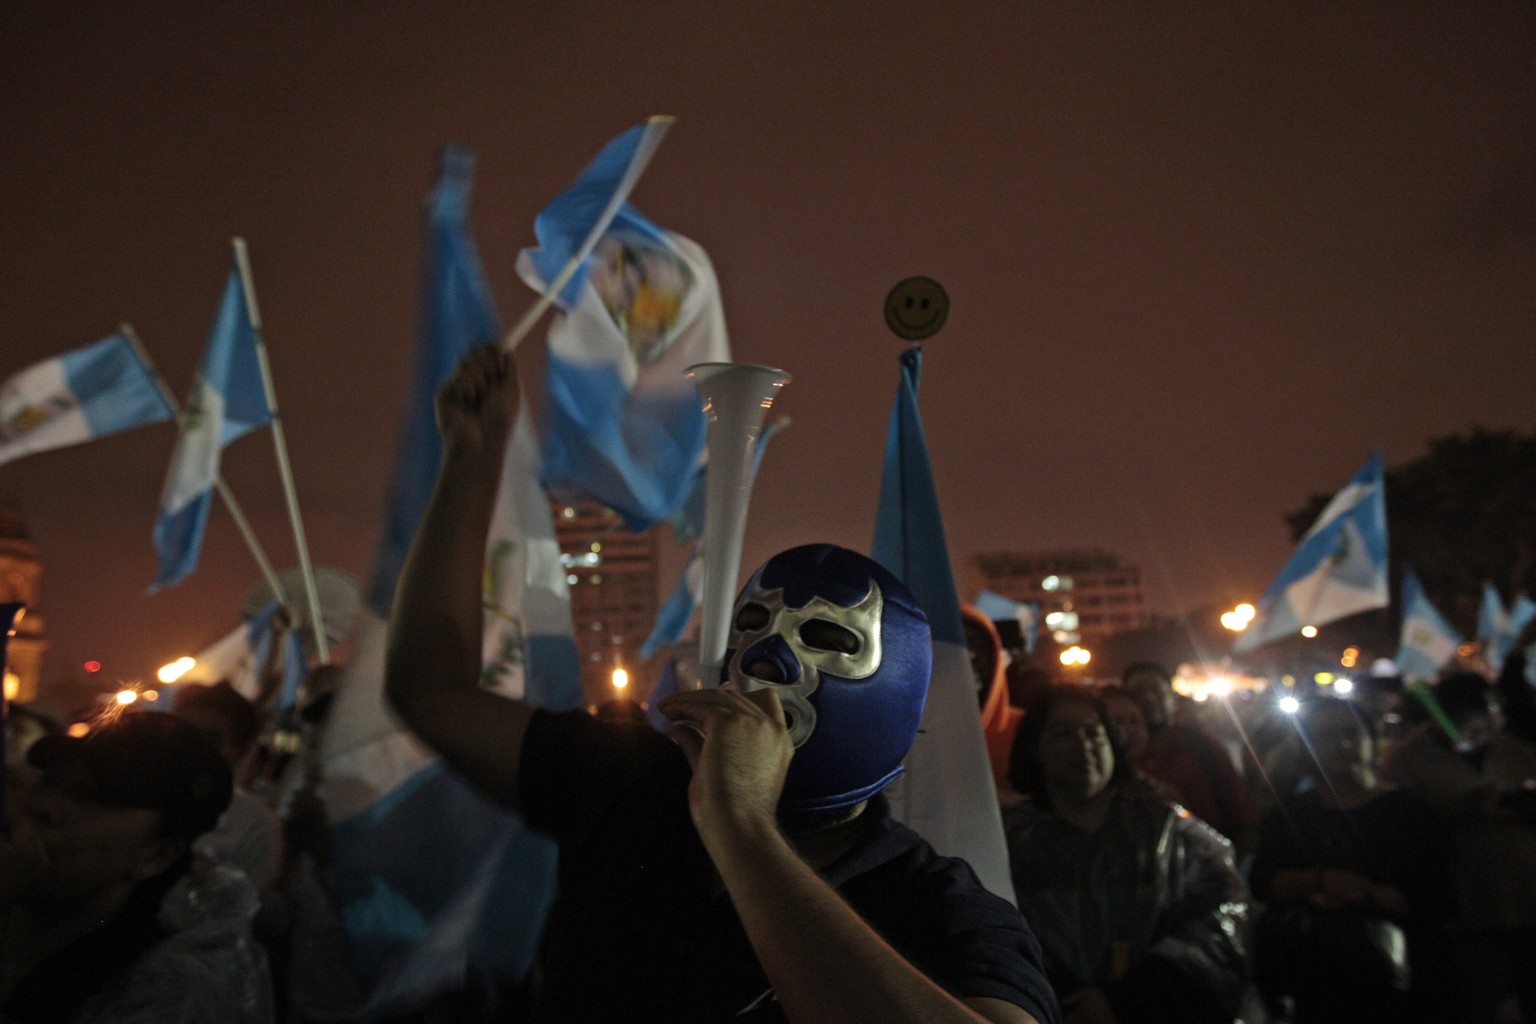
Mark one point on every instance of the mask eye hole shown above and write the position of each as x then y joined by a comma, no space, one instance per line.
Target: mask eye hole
752,616
823,635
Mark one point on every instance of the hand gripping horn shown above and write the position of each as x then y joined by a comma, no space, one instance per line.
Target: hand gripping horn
736,398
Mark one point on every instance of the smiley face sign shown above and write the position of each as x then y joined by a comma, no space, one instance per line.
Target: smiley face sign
916,308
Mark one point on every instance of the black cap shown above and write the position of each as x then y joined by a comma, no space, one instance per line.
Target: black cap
150,760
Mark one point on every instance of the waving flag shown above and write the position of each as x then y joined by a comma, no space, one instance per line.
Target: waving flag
623,424
1520,615
946,794
1339,567
91,392
437,887
1428,641
227,402
238,657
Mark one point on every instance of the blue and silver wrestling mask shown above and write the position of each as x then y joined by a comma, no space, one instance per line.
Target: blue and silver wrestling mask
847,647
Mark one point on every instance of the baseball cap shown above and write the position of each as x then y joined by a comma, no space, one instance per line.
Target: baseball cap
150,760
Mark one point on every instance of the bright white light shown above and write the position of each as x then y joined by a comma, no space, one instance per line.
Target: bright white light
620,679
1343,686
1201,696
126,697
1309,631
1221,686
1050,583
1290,705
176,669
1245,611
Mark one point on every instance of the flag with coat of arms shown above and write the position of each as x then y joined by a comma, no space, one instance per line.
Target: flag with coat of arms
623,424
1428,642
1339,567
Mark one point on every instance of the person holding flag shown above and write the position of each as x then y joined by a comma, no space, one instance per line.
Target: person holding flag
741,874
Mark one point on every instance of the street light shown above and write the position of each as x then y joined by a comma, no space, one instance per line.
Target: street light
175,670
1309,631
1239,618
620,679
1075,657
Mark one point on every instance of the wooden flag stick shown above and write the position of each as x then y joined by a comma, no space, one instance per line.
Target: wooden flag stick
626,185
311,592
235,511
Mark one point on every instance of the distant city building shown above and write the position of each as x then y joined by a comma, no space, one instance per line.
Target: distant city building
612,574
21,573
1084,595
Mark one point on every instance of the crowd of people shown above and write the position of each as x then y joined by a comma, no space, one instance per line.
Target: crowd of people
1356,860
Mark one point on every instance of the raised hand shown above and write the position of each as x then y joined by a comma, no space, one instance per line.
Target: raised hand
739,748
477,406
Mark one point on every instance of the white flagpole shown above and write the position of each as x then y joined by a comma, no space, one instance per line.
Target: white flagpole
235,511
620,194
311,592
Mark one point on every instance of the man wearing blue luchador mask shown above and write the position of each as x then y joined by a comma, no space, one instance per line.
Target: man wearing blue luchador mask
750,870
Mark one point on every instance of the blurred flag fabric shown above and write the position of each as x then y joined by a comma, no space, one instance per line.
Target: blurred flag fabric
946,794
237,657
227,401
677,611
1521,612
1492,619
1339,567
436,886
623,425
91,392
1428,642
1004,609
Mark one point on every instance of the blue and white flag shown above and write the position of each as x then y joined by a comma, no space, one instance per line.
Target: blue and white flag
623,424
1339,567
947,794
1492,619
1004,609
227,401
91,392
438,887
1428,642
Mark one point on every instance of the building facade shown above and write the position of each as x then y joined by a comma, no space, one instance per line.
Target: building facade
21,574
1084,594
612,575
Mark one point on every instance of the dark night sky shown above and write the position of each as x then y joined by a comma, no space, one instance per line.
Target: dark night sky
1202,257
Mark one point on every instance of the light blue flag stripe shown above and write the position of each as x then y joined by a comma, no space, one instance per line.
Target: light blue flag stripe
1490,616
179,539
1521,613
909,535
116,390
458,313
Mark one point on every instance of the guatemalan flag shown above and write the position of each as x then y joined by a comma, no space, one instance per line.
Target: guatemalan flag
623,424
1339,567
227,401
91,392
946,794
1497,628
437,887
1428,642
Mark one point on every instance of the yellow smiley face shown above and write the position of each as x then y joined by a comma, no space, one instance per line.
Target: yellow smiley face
916,308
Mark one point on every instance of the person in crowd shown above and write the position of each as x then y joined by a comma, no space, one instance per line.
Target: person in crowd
1138,905
249,836
105,917
999,718
24,726
1357,877
750,870
1484,781
1192,764
1128,716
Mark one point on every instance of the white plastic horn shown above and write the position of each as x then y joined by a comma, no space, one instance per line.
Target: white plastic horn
737,396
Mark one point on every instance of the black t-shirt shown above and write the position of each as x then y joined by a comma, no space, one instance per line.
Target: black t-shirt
637,932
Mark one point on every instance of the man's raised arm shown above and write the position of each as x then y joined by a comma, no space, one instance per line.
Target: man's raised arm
432,662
